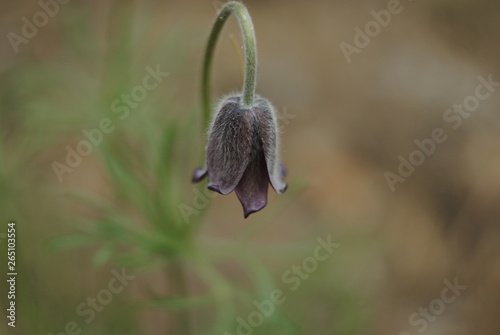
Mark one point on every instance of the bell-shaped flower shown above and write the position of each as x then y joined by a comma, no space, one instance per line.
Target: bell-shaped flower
242,153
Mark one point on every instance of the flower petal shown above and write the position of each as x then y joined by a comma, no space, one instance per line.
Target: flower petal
269,134
229,145
199,174
252,188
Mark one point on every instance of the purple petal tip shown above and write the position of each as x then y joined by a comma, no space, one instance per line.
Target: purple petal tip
214,188
254,208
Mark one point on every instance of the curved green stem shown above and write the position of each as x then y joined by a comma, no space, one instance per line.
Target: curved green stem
248,34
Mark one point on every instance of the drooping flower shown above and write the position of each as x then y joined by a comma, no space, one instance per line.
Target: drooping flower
242,153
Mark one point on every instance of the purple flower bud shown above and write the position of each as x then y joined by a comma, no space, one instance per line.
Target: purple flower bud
242,153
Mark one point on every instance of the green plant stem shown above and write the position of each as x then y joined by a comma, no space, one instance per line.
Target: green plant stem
248,34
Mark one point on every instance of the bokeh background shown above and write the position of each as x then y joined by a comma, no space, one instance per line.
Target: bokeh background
344,125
